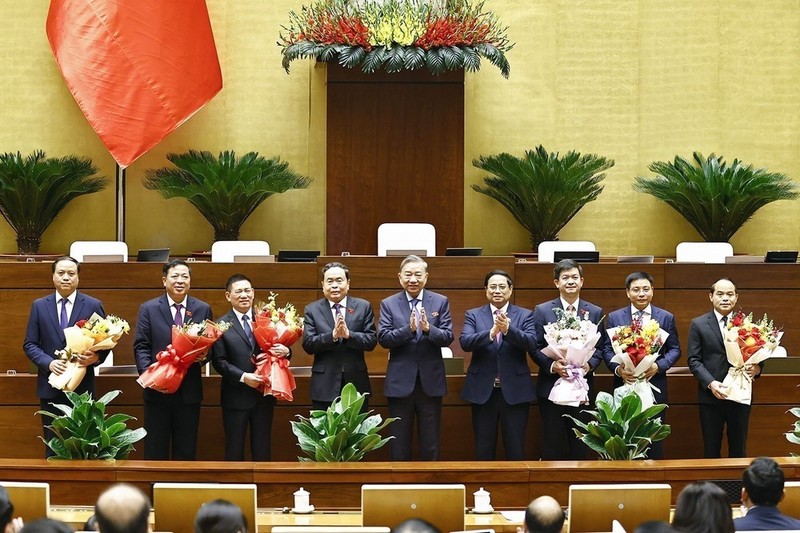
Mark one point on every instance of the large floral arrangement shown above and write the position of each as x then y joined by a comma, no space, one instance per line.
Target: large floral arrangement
275,325
636,348
396,35
747,342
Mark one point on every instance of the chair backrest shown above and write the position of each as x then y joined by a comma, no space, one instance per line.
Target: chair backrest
702,252
225,251
176,504
99,251
31,500
790,505
394,238
547,249
388,505
594,507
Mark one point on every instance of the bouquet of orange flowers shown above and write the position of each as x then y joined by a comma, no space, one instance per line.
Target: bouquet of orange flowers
92,335
636,348
190,344
572,341
747,342
275,325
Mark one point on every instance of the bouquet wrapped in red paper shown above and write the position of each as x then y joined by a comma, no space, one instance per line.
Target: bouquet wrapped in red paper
190,344
636,348
92,335
572,341
275,325
747,342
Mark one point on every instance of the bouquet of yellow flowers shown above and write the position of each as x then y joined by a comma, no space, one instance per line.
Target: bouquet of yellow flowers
275,325
572,341
747,342
636,348
92,335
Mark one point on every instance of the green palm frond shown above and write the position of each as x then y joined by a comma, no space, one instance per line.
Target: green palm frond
34,189
716,198
225,189
542,190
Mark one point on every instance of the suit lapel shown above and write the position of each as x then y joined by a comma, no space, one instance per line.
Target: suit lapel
349,312
52,312
163,306
714,325
327,313
236,325
77,309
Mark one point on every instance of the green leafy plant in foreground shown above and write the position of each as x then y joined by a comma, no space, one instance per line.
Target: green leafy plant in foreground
342,432
84,431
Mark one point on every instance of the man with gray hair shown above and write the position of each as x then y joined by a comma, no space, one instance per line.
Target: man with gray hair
544,515
122,508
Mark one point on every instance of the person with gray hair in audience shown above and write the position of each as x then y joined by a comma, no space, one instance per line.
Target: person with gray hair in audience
544,515
122,508
762,491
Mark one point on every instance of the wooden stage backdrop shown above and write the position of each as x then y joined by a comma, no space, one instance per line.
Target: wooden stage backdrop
680,288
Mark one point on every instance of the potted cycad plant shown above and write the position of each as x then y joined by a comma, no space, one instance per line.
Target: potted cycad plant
225,189
543,190
342,433
35,188
622,431
714,197
84,430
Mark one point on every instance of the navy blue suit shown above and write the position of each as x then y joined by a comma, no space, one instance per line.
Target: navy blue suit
765,518
168,417
670,353
43,336
337,363
560,441
415,376
498,383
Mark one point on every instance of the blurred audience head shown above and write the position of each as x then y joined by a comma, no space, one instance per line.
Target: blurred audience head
544,515
703,508
122,508
6,510
762,483
654,526
415,525
46,525
220,516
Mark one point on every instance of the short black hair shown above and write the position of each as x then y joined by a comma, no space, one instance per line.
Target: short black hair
67,258
235,278
220,516
634,276
703,506
172,264
566,264
763,481
46,525
497,273
714,285
6,508
336,264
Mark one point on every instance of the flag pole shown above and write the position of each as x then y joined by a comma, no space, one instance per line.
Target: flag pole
120,173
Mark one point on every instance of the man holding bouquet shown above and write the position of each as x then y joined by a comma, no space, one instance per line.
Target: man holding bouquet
171,420
415,325
44,335
708,362
233,356
338,329
560,442
639,289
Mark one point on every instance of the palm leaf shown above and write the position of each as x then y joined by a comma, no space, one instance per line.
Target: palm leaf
542,190
715,198
225,189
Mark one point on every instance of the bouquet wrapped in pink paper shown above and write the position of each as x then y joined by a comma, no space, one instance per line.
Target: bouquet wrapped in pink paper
92,335
190,344
570,340
747,342
275,325
636,348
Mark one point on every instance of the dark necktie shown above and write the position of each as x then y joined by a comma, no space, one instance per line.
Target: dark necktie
337,310
178,316
638,316
499,337
63,320
724,322
571,310
414,303
248,331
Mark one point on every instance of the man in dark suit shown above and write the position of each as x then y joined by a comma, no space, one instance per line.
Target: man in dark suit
498,382
415,326
44,335
639,289
171,420
709,364
762,491
337,330
560,441
243,405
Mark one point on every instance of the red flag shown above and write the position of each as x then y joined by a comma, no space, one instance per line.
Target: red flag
138,69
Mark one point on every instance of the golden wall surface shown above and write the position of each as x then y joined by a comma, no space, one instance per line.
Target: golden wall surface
635,81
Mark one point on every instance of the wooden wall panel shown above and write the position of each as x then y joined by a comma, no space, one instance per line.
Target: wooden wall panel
395,153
